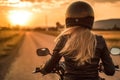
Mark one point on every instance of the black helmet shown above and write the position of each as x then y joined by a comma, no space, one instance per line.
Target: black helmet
80,14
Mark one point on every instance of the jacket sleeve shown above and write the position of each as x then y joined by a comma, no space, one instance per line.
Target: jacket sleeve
54,60
109,68
51,64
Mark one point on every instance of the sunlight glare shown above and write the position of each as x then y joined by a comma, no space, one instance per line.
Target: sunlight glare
13,1
19,17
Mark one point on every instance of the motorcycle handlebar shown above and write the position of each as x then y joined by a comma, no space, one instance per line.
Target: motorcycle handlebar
117,68
101,68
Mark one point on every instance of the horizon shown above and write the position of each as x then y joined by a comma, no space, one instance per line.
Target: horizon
47,13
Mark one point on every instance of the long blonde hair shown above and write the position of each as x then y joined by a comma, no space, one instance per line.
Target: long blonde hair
81,40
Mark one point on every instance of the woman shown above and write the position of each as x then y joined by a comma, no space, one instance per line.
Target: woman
81,49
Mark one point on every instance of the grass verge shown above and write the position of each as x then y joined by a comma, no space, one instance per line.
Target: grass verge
112,37
9,43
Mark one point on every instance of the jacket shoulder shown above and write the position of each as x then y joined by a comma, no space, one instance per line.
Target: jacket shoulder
100,41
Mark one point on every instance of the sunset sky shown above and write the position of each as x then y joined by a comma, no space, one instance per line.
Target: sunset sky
48,12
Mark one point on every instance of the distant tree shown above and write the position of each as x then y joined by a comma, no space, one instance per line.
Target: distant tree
16,27
59,25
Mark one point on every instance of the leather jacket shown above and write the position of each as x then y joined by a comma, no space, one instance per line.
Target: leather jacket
88,71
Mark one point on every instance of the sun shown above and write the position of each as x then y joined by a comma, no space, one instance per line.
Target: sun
19,17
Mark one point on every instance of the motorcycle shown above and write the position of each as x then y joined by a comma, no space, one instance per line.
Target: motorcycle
60,69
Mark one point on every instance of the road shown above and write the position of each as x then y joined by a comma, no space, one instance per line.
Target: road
27,60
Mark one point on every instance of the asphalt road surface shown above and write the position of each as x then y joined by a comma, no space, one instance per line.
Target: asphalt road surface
27,60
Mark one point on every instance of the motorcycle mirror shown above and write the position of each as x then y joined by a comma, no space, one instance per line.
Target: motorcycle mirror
115,51
43,51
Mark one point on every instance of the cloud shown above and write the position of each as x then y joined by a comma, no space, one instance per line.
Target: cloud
106,1
32,0
101,1
36,3
49,1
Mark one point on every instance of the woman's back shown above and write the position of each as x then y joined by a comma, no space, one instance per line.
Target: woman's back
81,49
89,70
